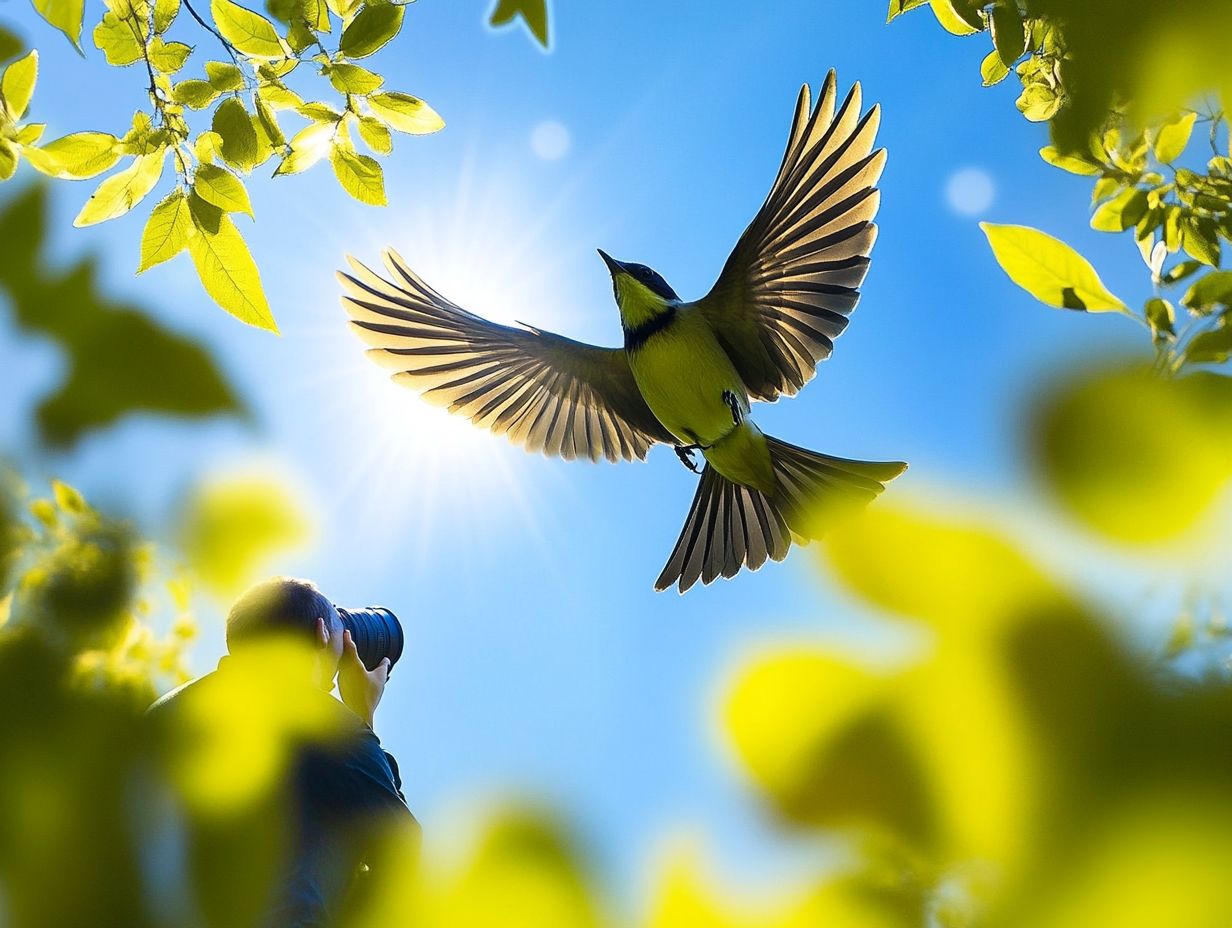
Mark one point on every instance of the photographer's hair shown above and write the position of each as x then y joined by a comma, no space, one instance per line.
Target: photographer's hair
279,606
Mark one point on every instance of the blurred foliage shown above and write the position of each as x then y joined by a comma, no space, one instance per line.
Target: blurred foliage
219,126
1131,90
230,527
119,361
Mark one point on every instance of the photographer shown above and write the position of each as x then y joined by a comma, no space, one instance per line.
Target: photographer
291,857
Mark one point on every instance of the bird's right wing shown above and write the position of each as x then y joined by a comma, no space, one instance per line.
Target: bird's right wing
546,392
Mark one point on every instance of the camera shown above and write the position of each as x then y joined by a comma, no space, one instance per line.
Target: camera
377,634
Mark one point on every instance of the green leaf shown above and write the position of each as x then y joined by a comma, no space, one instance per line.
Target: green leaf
268,123
219,187
351,78
65,15
1200,239
405,113
1039,102
279,97
239,136
1121,212
319,112
77,156
1009,35
207,146
368,32
10,45
1213,347
897,8
251,33
1071,163
1215,289
359,175
534,13
194,94
10,156
17,85
166,231
950,19
165,12
30,133
224,76
117,40
1161,315
168,57
1172,138
993,70
115,358
1180,272
122,191
375,135
308,146
225,266
1049,269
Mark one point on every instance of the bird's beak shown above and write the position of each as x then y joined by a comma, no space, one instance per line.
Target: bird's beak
613,265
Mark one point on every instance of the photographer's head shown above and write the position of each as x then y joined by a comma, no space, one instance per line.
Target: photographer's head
291,610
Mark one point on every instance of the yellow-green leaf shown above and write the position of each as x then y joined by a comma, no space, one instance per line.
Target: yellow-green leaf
117,40
122,191
949,19
1172,138
375,135
224,76
308,146
279,97
30,133
351,78
371,28
166,231
359,175
1049,269
17,85
221,188
225,266
534,13
239,137
251,33
195,94
65,15
168,57
1121,212
1071,163
405,113
268,122
165,12
993,69
1213,347
77,156
10,155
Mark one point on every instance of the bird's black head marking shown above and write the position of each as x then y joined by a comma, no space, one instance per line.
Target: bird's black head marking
651,279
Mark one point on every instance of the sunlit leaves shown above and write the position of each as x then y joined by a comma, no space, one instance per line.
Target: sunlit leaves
239,137
534,13
1172,138
232,526
374,26
17,85
950,19
308,146
195,94
898,7
164,14
1071,163
359,175
65,15
123,190
166,231
1049,270
224,76
250,33
993,70
375,135
222,189
168,57
225,266
1121,212
351,78
1134,456
405,113
118,39
1209,292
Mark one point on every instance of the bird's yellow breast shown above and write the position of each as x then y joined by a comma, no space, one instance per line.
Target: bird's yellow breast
682,372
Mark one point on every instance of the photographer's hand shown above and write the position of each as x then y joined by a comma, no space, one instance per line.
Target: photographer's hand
360,688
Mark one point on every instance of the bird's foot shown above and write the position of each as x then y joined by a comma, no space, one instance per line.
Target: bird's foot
733,403
685,453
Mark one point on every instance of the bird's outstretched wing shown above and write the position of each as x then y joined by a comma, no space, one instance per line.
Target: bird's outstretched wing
546,392
787,289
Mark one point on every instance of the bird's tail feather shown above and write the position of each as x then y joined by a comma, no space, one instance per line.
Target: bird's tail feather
730,525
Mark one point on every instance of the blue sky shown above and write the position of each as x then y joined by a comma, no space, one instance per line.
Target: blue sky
538,656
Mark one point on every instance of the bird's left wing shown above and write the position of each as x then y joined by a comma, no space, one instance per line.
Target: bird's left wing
792,279
546,392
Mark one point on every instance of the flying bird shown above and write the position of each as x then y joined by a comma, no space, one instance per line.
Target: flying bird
687,371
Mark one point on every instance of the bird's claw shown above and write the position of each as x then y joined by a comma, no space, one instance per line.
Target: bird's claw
733,403
685,453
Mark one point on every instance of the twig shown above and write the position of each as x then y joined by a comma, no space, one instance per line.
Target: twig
218,35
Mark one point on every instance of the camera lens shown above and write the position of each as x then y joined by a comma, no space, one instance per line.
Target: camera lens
376,632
